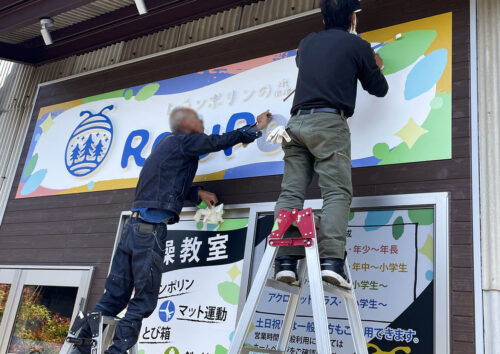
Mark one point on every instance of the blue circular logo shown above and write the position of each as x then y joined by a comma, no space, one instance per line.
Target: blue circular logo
89,144
166,311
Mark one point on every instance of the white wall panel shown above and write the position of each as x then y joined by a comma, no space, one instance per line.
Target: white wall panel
488,33
489,138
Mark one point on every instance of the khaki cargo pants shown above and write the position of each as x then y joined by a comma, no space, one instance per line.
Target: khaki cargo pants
321,142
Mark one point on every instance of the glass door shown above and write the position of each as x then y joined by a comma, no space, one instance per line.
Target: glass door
40,308
8,282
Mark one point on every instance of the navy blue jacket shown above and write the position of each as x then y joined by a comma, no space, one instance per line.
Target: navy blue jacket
167,175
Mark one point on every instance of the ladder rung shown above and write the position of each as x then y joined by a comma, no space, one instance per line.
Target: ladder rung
110,320
278,285
332,289
80,341
259,350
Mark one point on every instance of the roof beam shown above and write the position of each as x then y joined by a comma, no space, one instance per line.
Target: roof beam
124,24
25,13
16,53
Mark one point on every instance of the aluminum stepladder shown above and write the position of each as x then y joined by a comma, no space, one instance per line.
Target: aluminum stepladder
101,338
305,223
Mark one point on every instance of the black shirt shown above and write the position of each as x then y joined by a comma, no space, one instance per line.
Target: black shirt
330,64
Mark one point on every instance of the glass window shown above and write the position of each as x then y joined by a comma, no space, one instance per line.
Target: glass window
4,295
43,319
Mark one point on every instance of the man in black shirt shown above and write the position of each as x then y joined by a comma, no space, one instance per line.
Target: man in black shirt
330,64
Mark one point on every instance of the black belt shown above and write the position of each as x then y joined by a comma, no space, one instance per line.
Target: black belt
319,110
137,215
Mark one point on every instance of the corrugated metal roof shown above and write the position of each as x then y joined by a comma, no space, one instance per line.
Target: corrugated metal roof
9,129
210,26
270,10
98,58
16,99
13,93
150,44
6,68
66,19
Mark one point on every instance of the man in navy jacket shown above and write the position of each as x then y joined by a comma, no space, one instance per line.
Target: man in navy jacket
164,184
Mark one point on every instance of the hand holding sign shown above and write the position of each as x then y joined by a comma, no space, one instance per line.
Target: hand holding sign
263,120
379,61
208,197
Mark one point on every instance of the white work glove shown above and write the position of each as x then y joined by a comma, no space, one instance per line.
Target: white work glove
278,134
210,215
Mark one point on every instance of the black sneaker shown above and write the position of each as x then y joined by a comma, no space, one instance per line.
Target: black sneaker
332,271
285,269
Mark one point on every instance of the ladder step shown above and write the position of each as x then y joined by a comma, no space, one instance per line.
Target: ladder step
336,290
110,320
80,341
278,285
259,350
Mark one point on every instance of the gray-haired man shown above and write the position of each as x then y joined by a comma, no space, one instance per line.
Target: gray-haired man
164,184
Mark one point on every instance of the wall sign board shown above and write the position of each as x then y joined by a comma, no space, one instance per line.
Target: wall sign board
100,142
391,255
398,253
200,291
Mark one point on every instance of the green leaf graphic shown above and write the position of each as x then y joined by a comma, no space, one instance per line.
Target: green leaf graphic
219,349
103,96
147,92
128,94
233,224
30,166
229,292
400,53
381,150
398,228
422,216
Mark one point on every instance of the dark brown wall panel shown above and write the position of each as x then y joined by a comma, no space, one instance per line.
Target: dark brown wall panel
79,229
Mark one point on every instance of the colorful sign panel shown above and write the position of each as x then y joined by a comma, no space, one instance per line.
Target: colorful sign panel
101,142
198,299
391,255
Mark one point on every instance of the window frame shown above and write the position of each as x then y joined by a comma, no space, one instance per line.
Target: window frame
21,276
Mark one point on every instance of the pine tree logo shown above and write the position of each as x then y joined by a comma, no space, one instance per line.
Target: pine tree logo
89,144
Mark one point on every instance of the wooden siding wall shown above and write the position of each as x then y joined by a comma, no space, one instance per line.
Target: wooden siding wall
79,229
